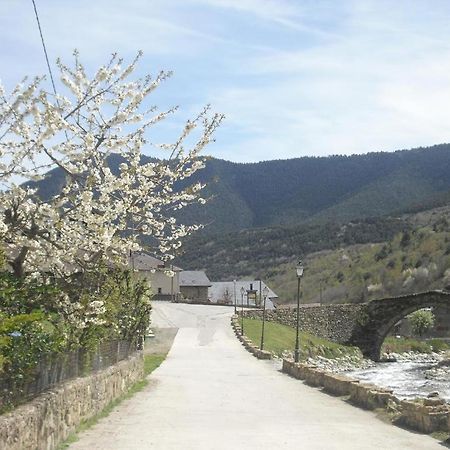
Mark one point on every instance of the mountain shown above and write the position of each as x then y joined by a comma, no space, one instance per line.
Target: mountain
258,252
414,260
310,189
290,192
357,261
262,216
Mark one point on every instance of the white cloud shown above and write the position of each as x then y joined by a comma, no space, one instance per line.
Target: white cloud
293,78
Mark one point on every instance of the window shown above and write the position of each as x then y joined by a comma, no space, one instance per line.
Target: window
159,291
251,286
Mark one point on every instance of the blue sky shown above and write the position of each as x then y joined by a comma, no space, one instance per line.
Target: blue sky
293,78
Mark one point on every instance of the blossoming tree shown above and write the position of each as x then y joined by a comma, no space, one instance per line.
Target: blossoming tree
99,214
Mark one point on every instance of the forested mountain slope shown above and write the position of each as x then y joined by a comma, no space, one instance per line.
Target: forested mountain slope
289,192
262,216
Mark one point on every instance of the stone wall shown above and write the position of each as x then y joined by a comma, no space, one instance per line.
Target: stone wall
333,322
46,421
425,415
246,342
364,325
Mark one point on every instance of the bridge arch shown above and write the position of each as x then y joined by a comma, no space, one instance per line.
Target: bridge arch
380,316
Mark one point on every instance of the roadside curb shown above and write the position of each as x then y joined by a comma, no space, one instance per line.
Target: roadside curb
246,342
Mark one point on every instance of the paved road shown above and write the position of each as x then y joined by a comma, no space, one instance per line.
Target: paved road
211,394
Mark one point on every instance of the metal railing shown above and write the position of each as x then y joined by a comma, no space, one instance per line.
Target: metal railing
53,370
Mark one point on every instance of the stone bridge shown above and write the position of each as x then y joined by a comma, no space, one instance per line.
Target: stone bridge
380,316
364,325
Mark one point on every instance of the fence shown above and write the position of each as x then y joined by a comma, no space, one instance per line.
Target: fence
53,370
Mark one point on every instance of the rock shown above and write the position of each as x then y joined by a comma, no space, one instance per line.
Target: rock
444,363
434,401
433,394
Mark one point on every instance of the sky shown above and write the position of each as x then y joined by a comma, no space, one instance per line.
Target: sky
293,77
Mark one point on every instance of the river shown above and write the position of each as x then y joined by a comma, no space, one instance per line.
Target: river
406,378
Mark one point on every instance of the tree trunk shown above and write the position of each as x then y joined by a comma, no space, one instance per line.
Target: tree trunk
17,263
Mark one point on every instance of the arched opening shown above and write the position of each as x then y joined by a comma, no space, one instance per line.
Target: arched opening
397,334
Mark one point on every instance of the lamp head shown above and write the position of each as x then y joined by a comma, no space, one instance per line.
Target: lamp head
300,268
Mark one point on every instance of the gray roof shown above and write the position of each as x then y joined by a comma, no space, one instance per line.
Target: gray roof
194,278
145,262
224,290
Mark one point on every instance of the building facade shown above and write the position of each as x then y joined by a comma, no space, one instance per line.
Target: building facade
163,286
194,286
246,292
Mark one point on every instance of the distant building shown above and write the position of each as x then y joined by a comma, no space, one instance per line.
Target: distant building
194,285
229,292
163,286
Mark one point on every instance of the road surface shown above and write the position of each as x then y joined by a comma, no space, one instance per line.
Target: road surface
211,394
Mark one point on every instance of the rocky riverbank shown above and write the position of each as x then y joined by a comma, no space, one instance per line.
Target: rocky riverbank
409,374
354,362
440,372
343,364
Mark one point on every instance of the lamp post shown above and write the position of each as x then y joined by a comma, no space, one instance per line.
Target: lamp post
260,292
234,287
242,310
299,269
265,294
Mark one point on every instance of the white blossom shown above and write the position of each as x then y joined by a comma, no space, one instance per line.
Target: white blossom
97,215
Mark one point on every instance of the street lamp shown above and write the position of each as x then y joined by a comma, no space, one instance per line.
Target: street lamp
234,287
299,269
265,294
242,310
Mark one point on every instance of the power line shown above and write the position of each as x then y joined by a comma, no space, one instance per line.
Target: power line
44,47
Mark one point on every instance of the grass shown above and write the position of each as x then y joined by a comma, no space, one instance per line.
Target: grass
443,437
403,344
151,362
279,338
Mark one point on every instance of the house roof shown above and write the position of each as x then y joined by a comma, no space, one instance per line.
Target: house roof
219,289
194,278
145,262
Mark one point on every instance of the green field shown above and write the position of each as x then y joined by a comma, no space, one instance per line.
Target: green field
279,338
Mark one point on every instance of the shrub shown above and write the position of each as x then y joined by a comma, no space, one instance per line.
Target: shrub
24,340
391,264
439,345
421,321
405,240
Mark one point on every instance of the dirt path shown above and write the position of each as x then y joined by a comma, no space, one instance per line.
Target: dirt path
211,394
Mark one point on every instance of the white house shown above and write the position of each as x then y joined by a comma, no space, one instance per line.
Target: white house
250,292
164,287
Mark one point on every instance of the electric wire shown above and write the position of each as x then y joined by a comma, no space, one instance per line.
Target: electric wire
44,47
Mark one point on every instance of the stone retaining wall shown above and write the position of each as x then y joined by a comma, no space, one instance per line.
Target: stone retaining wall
247,343
49,419
333,322
426,415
